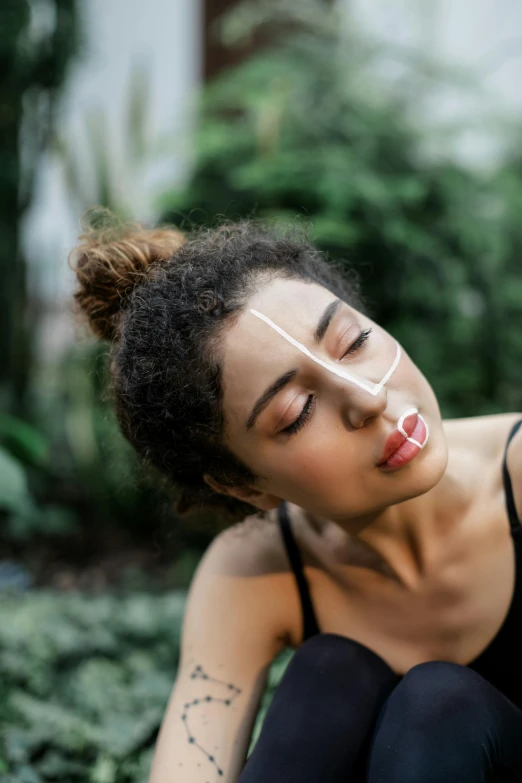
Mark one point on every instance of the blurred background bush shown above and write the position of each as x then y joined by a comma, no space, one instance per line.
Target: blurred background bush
392,130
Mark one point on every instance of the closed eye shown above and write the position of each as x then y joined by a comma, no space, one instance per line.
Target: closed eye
358,343
302,418
309,405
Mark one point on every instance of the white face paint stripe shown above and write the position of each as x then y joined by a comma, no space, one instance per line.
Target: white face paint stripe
374,389
391,370
403,431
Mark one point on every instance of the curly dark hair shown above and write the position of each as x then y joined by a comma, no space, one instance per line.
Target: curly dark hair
163,299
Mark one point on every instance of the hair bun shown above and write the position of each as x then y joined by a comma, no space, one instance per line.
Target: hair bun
110,260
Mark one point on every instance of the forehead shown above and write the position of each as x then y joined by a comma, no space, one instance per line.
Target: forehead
254,355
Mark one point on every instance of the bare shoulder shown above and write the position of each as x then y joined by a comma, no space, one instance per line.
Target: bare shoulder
483,435
252,547
243,583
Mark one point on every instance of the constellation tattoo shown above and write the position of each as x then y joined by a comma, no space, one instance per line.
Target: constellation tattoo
231,696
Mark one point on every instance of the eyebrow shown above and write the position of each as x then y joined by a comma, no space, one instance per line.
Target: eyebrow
324,321
274,388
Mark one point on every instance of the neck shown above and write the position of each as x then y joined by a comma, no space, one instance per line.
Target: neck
406,537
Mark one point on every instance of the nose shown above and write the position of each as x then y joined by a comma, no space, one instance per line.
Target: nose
358,405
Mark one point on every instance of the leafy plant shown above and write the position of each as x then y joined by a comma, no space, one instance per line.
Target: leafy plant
35,56
85,682
23,458
313,125
97,175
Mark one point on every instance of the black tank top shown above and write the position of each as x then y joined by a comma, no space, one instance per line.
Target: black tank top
501,661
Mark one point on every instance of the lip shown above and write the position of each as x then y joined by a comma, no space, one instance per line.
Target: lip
396,439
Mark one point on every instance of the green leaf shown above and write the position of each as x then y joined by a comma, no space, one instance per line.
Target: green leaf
23,441
14,493
104,771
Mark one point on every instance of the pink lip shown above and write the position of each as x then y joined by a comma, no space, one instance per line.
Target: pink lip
396,439
409,448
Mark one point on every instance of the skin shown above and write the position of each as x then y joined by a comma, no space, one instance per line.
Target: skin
416,563
350,377
328,467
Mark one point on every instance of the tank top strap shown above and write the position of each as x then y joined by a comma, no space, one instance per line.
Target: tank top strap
310,624
514,521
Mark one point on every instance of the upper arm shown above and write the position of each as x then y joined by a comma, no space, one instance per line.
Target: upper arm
233,628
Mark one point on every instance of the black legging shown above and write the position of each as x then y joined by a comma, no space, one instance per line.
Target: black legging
340,715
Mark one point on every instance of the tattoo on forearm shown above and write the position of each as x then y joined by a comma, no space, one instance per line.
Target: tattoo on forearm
231,695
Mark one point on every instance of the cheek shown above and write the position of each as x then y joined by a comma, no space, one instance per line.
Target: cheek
315,469
326,463
327,479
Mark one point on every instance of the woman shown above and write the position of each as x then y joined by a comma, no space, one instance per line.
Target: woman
383,543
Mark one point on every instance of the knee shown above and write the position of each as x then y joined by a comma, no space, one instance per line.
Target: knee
436,690
332,657
435,725
332,689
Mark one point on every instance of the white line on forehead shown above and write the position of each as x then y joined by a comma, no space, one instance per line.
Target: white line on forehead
374,388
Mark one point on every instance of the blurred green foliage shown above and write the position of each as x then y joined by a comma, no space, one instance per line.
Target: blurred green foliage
93,470
324,124
91,176
95,473
24,467
37,42
312,126
21,449
85,682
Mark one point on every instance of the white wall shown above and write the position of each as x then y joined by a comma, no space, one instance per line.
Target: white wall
482,35
165,35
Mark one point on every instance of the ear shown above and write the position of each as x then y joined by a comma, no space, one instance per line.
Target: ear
246,493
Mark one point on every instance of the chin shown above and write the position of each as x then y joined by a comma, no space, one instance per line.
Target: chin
431,465
423,473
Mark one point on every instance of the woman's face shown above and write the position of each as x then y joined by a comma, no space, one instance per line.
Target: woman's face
307,410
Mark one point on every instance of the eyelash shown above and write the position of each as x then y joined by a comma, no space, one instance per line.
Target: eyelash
358,343
310,403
